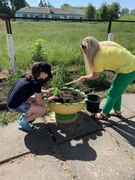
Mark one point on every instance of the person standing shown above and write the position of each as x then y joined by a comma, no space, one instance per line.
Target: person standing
108,55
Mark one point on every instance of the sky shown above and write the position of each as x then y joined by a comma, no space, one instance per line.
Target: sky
130,4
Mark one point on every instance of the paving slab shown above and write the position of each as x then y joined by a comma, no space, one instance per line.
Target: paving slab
105,123
86,149
124,134
127,112
83,125
44,166
98,158
128,100
14,142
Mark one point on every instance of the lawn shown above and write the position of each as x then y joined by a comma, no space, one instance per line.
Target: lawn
62,40
62,48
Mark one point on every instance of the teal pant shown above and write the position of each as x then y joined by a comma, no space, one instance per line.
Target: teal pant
120,83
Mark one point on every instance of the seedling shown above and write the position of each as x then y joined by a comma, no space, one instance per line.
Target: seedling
55,91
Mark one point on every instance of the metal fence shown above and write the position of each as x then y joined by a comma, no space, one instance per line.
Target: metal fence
8,27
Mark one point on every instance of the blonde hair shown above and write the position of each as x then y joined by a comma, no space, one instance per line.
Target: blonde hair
90,46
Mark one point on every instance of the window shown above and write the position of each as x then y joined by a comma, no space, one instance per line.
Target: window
40,16
25,15
31,15
46,16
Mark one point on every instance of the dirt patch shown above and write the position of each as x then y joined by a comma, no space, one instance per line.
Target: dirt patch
65,96
70,96
3,83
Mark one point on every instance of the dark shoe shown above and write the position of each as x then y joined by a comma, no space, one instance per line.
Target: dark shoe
103,117
115,113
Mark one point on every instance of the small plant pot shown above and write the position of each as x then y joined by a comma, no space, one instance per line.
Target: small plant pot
93,103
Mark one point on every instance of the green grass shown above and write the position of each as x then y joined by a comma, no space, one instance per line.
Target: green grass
63,43
63,39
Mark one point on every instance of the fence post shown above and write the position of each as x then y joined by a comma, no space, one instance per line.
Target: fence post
109,34
110,37
10,42
11,52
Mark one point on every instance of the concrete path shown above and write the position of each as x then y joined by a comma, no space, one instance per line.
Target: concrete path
82,150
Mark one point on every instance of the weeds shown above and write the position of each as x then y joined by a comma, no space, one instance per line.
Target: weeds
39,50
130,89
100,80
62,75
11,80
7,117
60,48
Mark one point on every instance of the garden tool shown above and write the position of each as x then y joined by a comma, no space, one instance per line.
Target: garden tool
69,83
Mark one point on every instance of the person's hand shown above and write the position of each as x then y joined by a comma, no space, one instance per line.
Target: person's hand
82,78
53,97
46,91
43,91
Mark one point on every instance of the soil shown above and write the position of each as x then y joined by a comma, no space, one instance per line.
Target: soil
70,96
65,96
3,81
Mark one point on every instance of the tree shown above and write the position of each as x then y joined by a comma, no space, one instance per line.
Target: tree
132,11
17,4
4,8
49,4
42,3
90,12
124,11
114,11
103,12
65,5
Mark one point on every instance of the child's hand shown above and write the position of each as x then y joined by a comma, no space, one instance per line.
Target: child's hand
55,97
45,91
51,98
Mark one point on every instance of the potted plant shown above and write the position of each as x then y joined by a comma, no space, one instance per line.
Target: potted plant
70,102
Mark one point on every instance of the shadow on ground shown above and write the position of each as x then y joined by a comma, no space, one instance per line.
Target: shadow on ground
73,137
